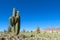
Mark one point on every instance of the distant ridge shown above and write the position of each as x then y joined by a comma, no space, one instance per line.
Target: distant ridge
54,29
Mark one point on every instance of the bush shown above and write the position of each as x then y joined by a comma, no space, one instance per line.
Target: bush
32,35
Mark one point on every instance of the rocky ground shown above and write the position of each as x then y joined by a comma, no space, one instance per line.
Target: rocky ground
30,36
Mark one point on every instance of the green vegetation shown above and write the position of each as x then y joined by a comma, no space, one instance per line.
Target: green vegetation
43,36
32,35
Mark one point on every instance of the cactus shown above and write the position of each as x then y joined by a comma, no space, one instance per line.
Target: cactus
38,30
9,29
15,22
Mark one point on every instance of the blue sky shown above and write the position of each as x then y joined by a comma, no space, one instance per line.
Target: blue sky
42,13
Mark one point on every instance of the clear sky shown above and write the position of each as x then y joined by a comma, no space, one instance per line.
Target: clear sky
42,13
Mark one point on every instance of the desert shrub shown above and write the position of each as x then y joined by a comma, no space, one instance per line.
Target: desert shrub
5,31
23,30
23,36
31,31
3,39
32,35
27,31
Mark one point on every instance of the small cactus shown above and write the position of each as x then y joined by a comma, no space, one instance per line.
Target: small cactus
9,29
38,30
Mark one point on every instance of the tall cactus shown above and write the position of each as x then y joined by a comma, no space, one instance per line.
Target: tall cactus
15,22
